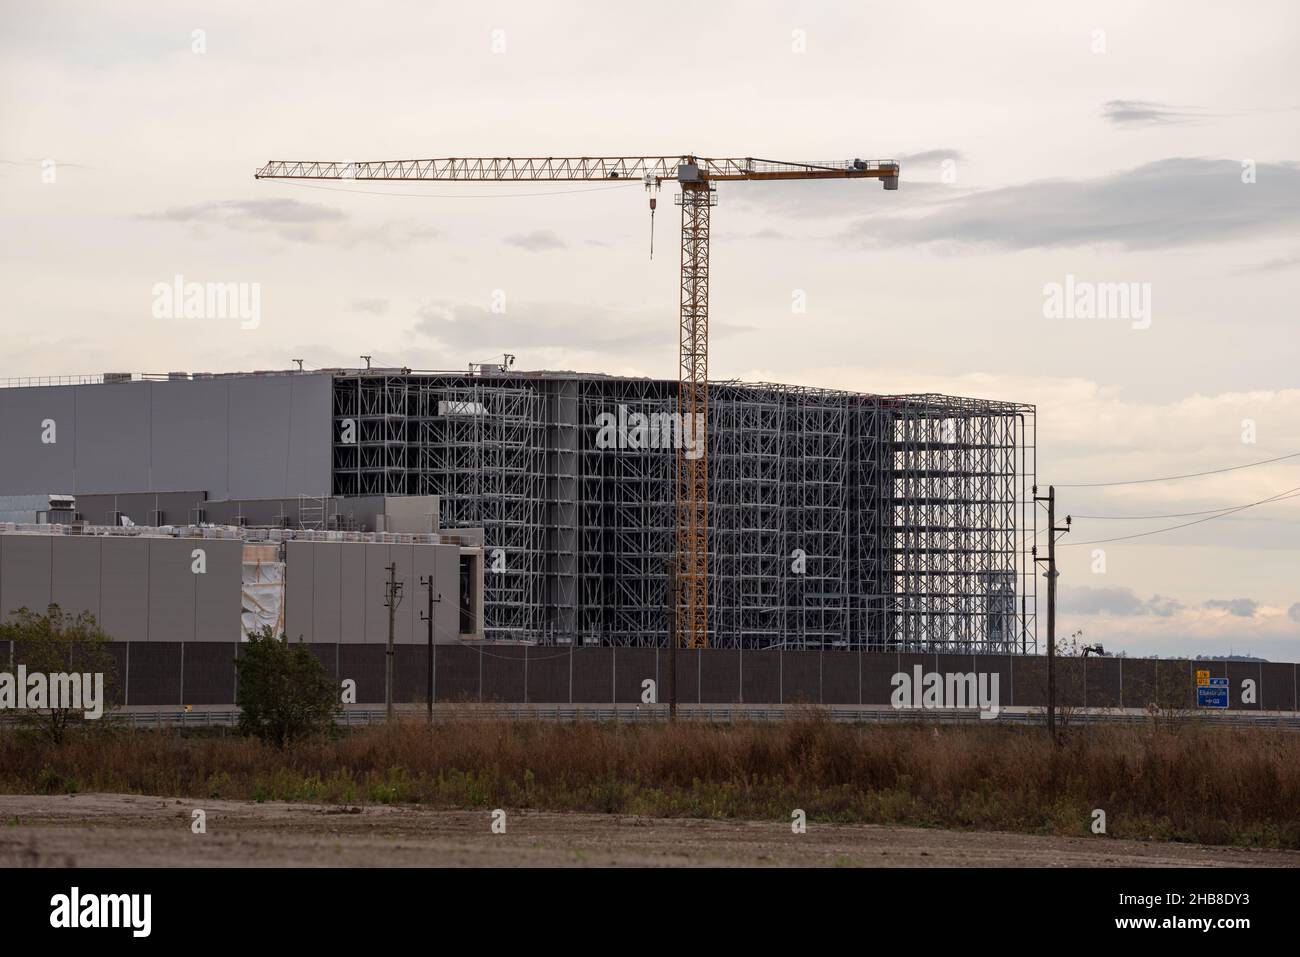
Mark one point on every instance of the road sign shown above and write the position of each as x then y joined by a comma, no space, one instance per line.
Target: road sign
1212,695
1202,679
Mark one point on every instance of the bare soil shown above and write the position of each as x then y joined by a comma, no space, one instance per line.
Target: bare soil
118,830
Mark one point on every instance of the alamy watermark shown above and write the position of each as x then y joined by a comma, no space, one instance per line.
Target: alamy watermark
179,299
129,911
61,691
636,431
1080,299
935,690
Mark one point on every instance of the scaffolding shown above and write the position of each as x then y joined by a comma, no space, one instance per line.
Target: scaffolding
839,520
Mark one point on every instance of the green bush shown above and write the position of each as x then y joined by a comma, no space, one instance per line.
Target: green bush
284,693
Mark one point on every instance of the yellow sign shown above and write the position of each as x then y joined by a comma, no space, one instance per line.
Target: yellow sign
1202,679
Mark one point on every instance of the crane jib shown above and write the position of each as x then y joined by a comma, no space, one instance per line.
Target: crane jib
649,169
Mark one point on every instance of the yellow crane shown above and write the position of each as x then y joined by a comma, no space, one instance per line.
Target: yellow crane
696,176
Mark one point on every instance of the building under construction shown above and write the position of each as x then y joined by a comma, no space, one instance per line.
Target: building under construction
838,520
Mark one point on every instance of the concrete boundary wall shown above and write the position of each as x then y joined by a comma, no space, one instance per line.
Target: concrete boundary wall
172,673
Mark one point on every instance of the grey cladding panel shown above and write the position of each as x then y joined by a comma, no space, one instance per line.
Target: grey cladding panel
446,613
372,596
171,589
29,466
310,441
113,453
24,573
405,619
327,591
217,593
352,593
76,563
189,428
299,588
279,436
124,592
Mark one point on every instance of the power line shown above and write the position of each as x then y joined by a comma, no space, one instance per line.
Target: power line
1156,531
1208,511
1172,478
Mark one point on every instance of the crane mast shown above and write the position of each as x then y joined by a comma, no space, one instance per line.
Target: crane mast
696,176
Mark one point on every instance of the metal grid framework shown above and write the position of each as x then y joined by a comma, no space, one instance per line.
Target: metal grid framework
838,520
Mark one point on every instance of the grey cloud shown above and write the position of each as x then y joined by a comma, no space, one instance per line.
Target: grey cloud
1270,265
293,220
538,240
1133,113
280,211
1083,600
827,198
930,157
538,325
464,327
1237,607
1294,612
64,164
1165,204
376,307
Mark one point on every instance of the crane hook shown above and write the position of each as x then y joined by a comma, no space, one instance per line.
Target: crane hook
651,182
653,203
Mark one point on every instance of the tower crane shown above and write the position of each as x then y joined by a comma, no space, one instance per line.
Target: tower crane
696,175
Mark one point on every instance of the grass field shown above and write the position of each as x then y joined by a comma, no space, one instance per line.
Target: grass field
1180,782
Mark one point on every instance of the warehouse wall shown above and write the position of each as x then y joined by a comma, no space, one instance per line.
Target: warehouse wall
143,589
335,592
138,589
233,437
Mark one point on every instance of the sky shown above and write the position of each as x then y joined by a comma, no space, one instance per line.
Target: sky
1051,156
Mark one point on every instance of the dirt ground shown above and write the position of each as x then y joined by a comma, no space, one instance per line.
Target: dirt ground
116,830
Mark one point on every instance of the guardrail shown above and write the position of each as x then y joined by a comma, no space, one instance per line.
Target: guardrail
721,714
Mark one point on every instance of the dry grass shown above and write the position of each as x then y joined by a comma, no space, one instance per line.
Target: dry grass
1203,784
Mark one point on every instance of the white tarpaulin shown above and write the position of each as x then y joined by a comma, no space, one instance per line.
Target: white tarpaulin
262,591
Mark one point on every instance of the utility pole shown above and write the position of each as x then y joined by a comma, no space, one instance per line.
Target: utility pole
426,582
1052,573
392,598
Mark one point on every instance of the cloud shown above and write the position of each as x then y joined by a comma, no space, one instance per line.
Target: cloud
539,240
539,325
1133,113
930,157
551,327
843,198
293,220
1083,600
64,164
1271,265
1237,607
233,211
1294,612
1165,204
376,307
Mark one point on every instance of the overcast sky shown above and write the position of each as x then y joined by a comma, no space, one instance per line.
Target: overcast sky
1156,144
